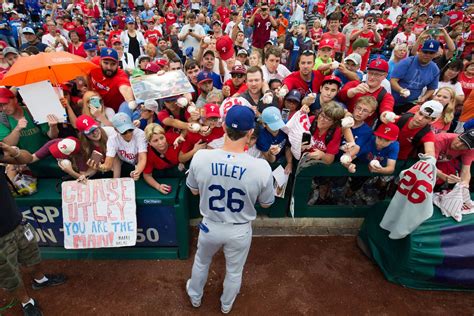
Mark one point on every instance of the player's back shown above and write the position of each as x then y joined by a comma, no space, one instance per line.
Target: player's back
229,184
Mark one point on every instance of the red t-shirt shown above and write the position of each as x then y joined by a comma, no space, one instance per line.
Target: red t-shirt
386,104
77,51
155,162
466,83
193,138
108,88
339,41
261,31
455,16
321,8
444,152
418,28
234,89
165,113
294,81
69,26
332,147
371,38
112,35
170,19
224,12
81,32
152,36
405,137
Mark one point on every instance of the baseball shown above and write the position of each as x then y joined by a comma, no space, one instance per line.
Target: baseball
195,127
375,164
282,92
267,98
347,122
352,168
405,93
207,39
65,163
390,116
345,159
334,64
191,109
182,102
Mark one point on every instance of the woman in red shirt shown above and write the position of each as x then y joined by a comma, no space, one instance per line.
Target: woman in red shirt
161,155
466,78
76,47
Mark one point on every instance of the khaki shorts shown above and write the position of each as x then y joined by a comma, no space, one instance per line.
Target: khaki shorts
15,249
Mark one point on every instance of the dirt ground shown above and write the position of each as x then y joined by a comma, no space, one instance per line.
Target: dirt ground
283,276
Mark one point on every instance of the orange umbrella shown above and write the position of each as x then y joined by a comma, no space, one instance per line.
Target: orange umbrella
57,67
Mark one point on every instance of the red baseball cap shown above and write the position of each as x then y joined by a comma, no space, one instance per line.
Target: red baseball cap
212,110
161,62
86,124
332,78
65,148
326,43
5,95
379,65
115,40
152,67
387,131
410,20
225,47
238,69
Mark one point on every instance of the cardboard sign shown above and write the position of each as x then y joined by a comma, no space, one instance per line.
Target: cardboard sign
154,87
99,214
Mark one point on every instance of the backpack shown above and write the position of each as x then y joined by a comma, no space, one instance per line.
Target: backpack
418,136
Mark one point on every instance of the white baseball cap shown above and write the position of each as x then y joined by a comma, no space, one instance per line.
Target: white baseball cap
432,108
151,105
355,58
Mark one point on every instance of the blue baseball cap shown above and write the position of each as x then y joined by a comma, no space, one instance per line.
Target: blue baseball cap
204,76
240,117
430,46
122,122
108,53
90,45
129,20
115,22
294,95
272,117
469,125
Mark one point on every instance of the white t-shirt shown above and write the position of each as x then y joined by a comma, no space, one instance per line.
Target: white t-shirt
191,41
50,40
281,73
394,13
127,151
402,38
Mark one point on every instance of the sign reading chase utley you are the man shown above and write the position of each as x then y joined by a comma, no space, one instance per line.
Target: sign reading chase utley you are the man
99,213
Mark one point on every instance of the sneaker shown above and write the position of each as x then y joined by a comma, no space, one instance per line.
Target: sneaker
53,280
32,310
226,310
195,303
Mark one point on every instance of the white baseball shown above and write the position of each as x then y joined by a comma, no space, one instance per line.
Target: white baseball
267,98
345,159
65,163
347,122
282,92
182,102
405,93
195,127
191,109
375,164
334,64
390,116
207,39
352,168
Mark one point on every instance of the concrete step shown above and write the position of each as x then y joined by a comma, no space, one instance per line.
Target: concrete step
264,226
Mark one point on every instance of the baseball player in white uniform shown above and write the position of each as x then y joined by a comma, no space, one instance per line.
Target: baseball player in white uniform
229,182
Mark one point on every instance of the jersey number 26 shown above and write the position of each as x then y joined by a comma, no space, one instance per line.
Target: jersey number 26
234,204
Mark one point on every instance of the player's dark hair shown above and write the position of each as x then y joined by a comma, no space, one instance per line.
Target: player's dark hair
255,69
190,64
275,51
234,134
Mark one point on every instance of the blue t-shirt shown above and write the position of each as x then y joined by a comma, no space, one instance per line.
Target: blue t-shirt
144,123
362,135
217,81
266,139
343,77
369,152
414,77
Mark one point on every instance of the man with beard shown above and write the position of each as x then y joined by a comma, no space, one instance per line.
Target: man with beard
111,82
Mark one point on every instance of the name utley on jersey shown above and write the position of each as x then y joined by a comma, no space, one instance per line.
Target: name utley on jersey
229,184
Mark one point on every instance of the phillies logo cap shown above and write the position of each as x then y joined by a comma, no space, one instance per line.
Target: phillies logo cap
108,53
387,131
86,124
65,147
212,110
225,47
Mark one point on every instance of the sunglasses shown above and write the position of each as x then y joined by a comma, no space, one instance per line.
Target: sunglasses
92,130
238,75
308,52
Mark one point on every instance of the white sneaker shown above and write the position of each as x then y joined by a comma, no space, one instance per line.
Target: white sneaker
226,310
195,303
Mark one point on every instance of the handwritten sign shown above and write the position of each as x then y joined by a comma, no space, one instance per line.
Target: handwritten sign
99,214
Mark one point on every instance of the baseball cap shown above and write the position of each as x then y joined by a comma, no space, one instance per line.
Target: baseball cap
225,47
432,108
108,53
90,45
468,138
115,22
469,124
294,95
122,122
360,42
152,67
332,79
242,52
9,50
204,76
438,14
430,46
272,117
5,95
240,118
129,20
216,22
423,13
410,20
151,105
171,98
141,57
28,30
209,51
115,40
386,12
355,58
379,65
387,131
326,43
161,62
65,147
238,69
212,110
86,124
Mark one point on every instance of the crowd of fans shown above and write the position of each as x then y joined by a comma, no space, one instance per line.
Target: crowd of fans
340,81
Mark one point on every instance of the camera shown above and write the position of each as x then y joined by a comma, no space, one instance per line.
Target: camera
191,30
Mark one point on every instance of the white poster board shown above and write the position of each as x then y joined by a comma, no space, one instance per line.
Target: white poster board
99,214
157,87
42,100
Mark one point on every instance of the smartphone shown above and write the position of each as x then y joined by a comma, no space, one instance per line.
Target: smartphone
306,138
97,157
285,113
191,30
95,102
